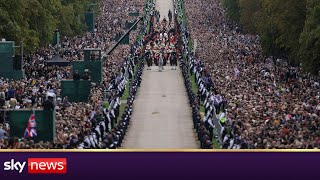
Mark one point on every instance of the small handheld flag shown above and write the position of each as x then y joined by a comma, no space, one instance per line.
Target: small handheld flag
31,127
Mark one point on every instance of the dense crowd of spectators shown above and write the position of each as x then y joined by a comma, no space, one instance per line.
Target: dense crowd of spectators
267,103
108,132
75,121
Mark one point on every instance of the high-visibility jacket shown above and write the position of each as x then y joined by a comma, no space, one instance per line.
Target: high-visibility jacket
223,120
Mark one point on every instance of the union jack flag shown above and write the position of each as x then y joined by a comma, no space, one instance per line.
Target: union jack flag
31,127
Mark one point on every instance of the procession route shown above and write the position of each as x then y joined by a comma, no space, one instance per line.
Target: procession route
162,117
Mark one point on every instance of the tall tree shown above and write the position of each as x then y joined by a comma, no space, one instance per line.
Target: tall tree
280,23
248,10
287,28
289,19
310,38
266,28
34,21
232,9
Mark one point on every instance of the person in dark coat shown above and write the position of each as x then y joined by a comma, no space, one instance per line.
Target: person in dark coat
149,60
2,101
48,105
76,76
173,61
86,76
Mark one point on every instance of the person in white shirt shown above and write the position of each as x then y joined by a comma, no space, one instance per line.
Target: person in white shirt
17,106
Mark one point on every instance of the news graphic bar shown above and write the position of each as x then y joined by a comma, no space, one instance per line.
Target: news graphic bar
159,165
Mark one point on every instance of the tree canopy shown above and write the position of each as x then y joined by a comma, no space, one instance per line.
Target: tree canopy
34,21
288,28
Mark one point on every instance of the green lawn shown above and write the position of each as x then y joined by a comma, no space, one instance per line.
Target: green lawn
194,84
126,92
123,104
121,110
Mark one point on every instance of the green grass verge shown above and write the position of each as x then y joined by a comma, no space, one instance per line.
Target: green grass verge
123,104
195,90
216,144
194,84
121,110
125,95
126,92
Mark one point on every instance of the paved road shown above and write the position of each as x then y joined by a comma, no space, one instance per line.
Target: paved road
161,115
163,7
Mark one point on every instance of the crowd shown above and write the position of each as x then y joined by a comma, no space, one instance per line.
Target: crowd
260,102
75,122
108,132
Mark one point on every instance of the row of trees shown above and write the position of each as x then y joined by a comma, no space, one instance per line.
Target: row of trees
288,28
34,21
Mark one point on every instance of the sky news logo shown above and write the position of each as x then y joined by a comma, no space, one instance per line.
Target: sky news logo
38,165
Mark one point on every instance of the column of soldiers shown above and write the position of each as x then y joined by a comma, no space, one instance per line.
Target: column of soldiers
161,46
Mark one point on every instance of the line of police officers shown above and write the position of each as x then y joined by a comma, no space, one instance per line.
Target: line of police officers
198,124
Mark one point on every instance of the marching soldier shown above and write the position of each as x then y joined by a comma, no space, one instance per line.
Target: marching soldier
173,61
149,60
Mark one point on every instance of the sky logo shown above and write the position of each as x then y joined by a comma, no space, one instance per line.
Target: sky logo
38,165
